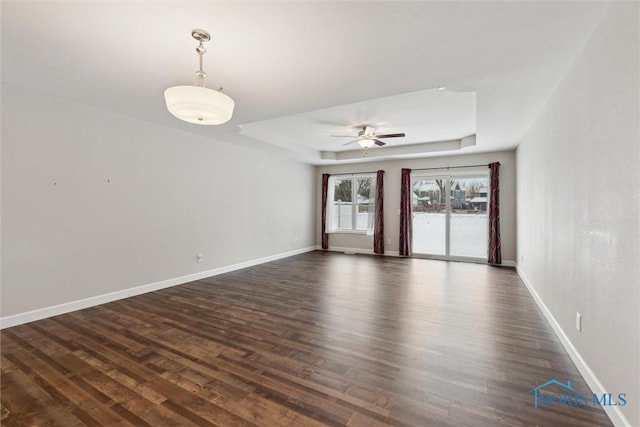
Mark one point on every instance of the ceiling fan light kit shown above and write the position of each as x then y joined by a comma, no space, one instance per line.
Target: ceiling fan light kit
366,143
199,104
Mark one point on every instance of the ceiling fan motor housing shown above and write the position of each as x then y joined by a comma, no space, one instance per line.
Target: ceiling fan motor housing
367,131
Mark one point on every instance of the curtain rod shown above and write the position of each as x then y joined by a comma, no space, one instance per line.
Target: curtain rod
448,167
354,173
420,169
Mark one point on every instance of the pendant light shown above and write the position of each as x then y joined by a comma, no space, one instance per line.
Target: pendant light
199,104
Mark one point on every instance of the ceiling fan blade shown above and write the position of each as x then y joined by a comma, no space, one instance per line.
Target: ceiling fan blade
351,142
391,135
343,136
379,143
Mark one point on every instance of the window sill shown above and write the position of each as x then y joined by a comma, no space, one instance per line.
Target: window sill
360,232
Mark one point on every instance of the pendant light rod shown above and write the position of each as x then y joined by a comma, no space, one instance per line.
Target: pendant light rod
200,74
202,36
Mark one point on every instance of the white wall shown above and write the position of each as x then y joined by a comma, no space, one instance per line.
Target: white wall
94,202
578,205
392,198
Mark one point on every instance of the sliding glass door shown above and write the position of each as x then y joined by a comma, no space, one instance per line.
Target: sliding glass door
450,215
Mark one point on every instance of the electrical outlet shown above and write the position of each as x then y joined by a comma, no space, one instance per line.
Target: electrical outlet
578,321
521,259
295,240
199,258
389,241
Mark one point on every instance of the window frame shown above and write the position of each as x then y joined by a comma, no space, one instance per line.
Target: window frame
354,177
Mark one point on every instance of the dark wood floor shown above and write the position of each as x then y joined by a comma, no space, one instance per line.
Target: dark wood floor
316,339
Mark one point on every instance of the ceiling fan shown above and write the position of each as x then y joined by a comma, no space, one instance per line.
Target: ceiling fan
367,137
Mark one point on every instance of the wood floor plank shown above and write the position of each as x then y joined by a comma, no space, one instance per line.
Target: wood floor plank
22,396
319,339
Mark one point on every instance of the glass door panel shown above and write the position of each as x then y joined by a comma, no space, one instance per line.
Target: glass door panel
429,216
468,220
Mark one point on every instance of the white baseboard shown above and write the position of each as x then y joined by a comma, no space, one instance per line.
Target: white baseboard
613,412
357,251
505,263
43,313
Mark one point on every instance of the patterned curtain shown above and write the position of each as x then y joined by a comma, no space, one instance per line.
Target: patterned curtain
378,224
325,187
495,255
406,232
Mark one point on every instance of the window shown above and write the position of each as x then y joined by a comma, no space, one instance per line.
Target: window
351,202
